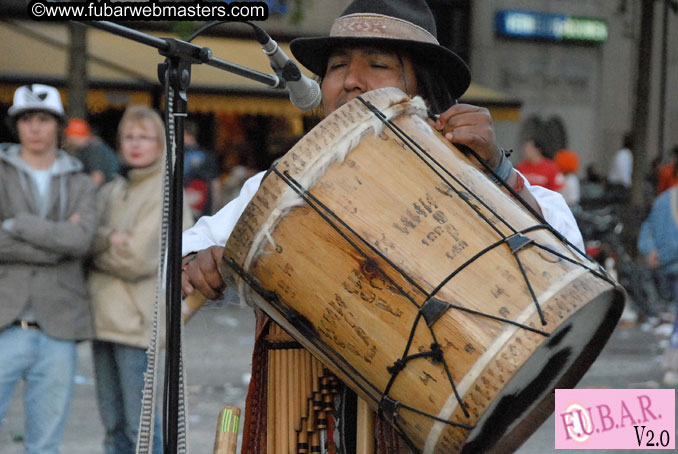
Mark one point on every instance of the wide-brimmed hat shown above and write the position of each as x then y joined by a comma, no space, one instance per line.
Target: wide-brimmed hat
37,97
404,24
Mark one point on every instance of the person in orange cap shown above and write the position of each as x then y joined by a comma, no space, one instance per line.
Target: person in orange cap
98,159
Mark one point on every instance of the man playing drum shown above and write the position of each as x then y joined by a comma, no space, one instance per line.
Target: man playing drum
373,44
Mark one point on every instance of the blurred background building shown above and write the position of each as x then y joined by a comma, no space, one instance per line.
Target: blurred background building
568,69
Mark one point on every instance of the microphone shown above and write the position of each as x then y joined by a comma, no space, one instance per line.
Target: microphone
304,92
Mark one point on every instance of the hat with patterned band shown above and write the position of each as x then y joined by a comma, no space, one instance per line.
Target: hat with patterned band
403,24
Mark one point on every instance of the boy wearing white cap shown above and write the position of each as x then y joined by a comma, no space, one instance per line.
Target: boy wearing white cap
47,222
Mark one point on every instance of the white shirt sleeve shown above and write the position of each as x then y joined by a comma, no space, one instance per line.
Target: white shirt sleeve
557,213
214,230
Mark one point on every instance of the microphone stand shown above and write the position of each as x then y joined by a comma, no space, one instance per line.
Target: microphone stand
176,73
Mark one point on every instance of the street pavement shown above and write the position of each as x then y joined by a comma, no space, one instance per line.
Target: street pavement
218,345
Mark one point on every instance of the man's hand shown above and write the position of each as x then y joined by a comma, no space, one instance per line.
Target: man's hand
471,126
201,273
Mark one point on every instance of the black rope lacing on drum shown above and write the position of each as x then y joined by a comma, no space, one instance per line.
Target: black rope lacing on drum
436,355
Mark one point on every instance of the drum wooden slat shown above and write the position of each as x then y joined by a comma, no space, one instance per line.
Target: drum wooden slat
350,292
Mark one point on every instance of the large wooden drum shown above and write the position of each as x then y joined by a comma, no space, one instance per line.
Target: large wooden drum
433,294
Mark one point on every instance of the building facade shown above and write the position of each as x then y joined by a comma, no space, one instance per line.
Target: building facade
585,88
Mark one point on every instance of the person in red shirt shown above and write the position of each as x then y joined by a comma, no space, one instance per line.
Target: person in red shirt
538,169
668,173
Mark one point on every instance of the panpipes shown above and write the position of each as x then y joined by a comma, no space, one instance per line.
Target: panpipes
300,399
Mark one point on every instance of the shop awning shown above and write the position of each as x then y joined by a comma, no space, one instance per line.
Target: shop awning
123,71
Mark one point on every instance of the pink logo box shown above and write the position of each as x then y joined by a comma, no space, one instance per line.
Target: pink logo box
615,418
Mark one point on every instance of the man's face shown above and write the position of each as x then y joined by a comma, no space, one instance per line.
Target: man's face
38,132
351,71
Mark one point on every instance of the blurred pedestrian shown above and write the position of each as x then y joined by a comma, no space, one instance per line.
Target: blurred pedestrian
568,163
668,173
200,172
658,242
238,170
123,280
592,188
98,159
620,172
539,169
48,218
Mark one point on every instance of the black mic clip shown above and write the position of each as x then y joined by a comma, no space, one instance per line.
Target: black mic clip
290,72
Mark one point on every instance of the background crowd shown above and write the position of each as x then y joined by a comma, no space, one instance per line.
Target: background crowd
646,261
81,251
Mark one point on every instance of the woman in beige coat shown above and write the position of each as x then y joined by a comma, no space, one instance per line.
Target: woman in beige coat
123,281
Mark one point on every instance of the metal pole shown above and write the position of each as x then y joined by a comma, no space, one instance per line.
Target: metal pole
662,81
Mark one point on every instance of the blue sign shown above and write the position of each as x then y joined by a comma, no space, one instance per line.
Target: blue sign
549,27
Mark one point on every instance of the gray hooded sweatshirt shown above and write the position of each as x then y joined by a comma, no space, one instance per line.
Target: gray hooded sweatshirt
41,249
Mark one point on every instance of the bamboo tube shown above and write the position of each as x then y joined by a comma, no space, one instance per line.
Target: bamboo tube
321,420
270,405
279,405
290,423
311,416
302,438
364,428
316,397
305,385
283,417
315,374
298,388
226,439
309,374
326,392
191,304
315,443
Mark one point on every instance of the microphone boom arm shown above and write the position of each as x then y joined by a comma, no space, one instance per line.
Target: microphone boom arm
171,47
